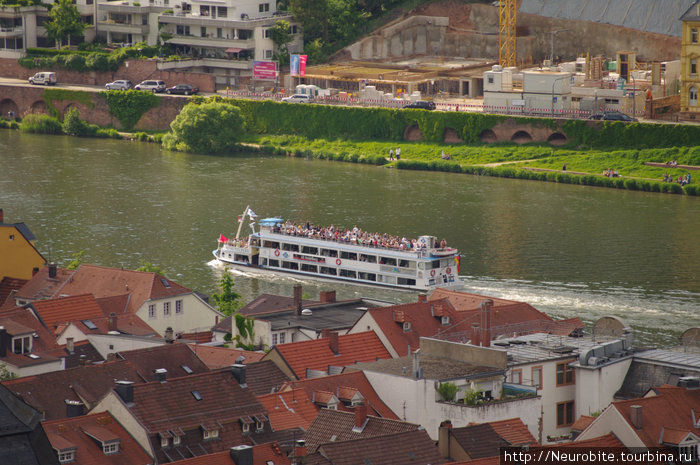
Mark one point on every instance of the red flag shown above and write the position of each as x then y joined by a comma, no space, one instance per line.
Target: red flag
222,238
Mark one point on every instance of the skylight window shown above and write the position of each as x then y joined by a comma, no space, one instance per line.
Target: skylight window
165,282
196,395
89,324
187,369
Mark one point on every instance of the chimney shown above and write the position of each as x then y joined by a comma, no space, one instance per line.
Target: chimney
485,338
324,333
475,334
35,270
299,451
422,298
125,389
70,346
83,361
360,418
160,374
52,270
333,342
327,297
112,325
238,372
636,416
169,338
2,216
74,408
4,342
242,455
417,371
297,299
444,439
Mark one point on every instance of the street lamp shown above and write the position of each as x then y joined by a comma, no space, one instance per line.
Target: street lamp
634,96
553,83
551,42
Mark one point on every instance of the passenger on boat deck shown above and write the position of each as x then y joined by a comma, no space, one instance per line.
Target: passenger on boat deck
443,244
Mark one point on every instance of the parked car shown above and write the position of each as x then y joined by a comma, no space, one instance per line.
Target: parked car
46,78
120,84
182,89
153,86
299,98
421,105
613,116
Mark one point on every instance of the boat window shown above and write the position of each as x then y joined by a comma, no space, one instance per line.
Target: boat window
263,262
348,273
274,262
291,247
241,258
406,282
421,265
367,276
331,271
368,258
348,255
329,253
387,261
290,265
312,250
406,264
435,264
271,245
309,268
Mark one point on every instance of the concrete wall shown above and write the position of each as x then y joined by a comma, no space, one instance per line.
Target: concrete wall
595,387
464,352
196,315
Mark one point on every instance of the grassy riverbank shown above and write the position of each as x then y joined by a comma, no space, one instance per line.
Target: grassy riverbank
514,161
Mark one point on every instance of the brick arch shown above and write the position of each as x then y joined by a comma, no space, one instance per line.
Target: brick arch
413,133
521,137
487,135
8,105
451,136
557,138
39,107
77,106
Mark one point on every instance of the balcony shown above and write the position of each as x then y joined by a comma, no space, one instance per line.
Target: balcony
189,18
11,31
211,42
124,28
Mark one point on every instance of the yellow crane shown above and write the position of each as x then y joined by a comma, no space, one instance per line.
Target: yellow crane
506,32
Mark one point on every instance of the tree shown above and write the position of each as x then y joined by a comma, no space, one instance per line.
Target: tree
313,15
5,373
227,302
211,127
73,125
77,260
64,21
150,267
281,36
447,391
245,339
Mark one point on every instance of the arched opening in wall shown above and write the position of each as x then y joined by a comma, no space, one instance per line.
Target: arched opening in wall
557,138
68,107
413,133
9,108
521,137
488,135
450,136
39,107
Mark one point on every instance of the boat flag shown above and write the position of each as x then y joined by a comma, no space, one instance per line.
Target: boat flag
252,214
457,260
222,238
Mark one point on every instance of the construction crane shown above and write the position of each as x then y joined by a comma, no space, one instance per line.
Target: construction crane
506,33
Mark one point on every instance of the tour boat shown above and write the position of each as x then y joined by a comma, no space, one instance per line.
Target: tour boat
349,255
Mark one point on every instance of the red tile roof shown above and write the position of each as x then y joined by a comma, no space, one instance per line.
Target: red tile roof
411,447
19,320
199,337
264,377
289,409
514,431
8,285
671,407
264,454
317,355
172,357
495,460
270,303
40,286
425,320
79,432
353,379
220,357
66,309
582,423
607,440
46,392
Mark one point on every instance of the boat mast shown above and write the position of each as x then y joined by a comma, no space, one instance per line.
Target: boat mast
240,222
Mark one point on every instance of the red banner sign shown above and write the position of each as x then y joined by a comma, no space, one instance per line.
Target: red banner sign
265,70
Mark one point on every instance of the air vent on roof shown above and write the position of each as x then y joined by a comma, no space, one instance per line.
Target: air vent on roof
563,349
89,324
187,369
517,342
33,356
196,395
501,343
165,282
306,312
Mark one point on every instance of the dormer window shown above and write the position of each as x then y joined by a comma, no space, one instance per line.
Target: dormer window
164,442
111,448
66,456
213,434
245,428
406,326
22,344
259,425
176,440
445,320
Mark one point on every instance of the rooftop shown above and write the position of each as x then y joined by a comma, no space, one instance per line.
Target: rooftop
220,357
434,367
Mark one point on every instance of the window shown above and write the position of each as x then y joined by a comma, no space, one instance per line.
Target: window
22,345
537,377
203,31
445,320
266,33
688,453
176,440
565,413
694,36
264,7
274,339
223,12
166,308
293,29
12,237
565,374
516,376
693,66
67,456
693,96
282,337
178,307
245,427
164,442
112,448
268,53
213,434
259,425
151,311
406,325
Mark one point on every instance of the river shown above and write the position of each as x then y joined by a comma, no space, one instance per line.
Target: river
567,250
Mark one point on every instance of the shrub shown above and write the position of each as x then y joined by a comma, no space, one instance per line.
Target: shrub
447,391
73,125
76,63
41,124
692,190
129,106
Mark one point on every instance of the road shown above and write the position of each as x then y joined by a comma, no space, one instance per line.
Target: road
81,87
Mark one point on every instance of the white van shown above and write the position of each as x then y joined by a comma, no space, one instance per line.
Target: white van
45,78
